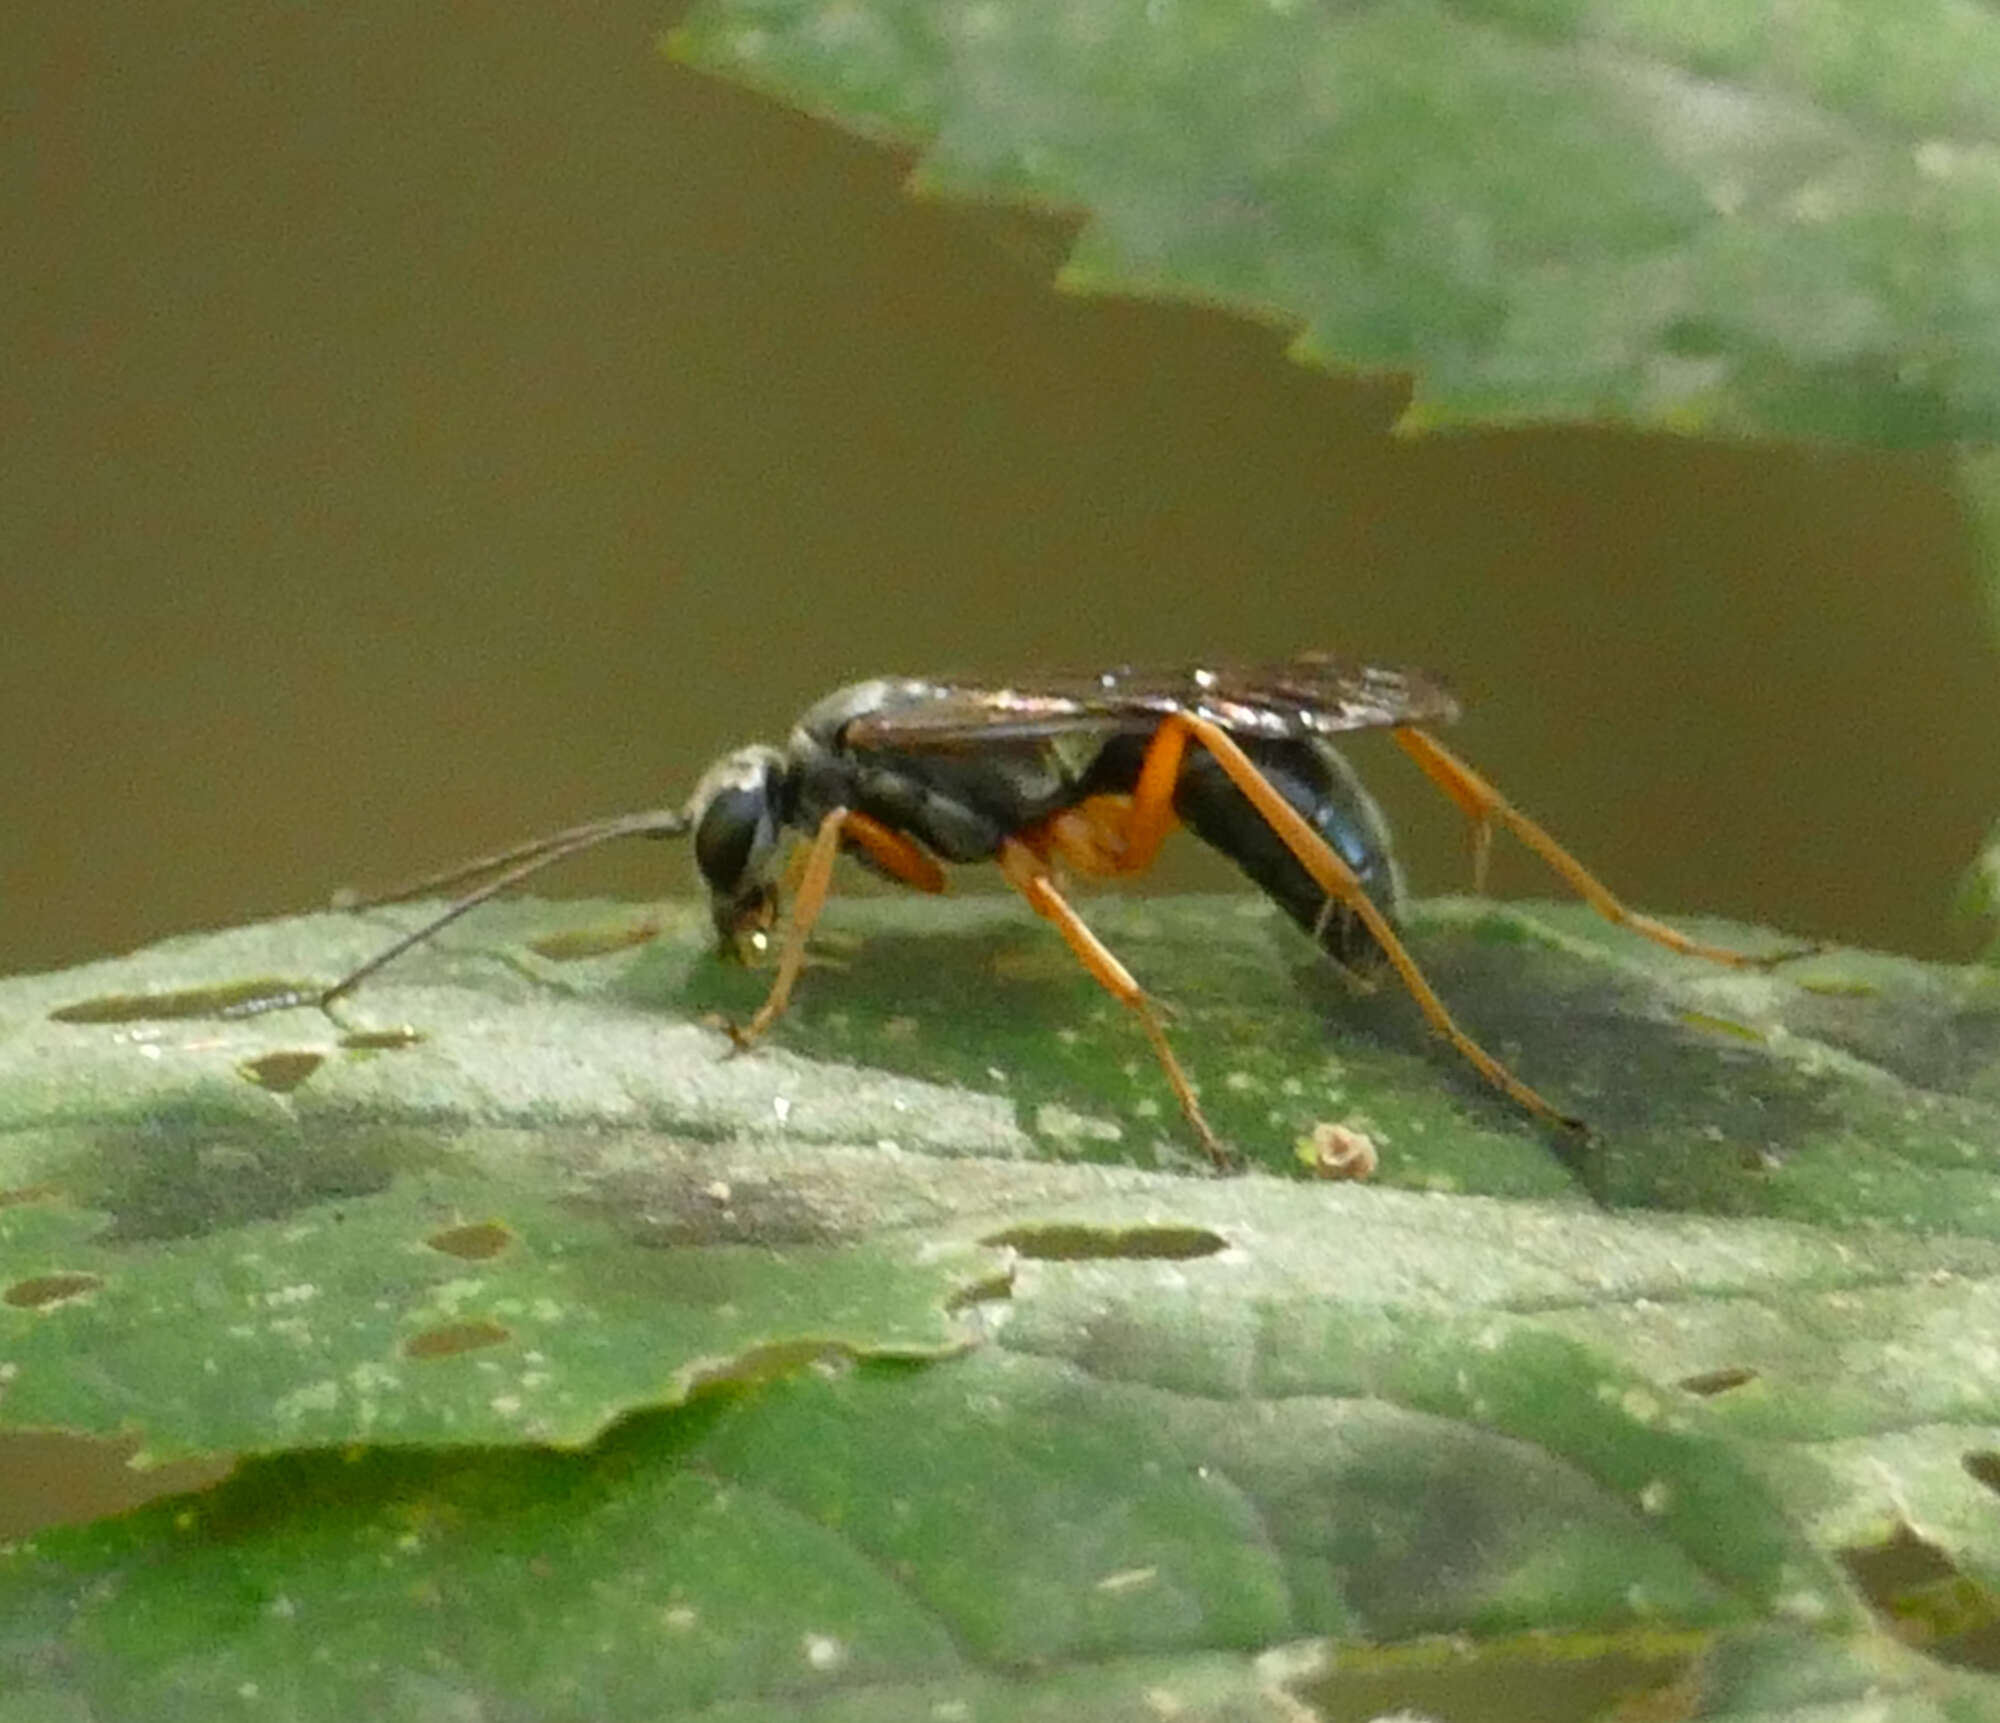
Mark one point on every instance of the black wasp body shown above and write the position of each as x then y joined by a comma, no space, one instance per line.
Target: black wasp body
961,770
1085,774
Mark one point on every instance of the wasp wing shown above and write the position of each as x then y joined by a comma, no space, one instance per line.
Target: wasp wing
1315,694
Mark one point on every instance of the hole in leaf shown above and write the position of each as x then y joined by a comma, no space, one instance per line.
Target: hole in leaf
1926,1602
771,1363
1985,1467
381,1040
449,1339
225,999
1086,1243
576,943
1708,1383
1720,1025
39,1291
1832,988
477,1242
1551,1678
29,1194
283,1071
986,1291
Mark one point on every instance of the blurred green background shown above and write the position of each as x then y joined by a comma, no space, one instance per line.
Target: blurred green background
425,424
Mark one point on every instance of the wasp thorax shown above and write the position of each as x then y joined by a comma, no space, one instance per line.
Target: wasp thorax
737,818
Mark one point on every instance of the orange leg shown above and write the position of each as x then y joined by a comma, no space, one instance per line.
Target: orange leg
1028,874
899,856
894,852
1111,835
815,880
1337,880
1484,806
1152,815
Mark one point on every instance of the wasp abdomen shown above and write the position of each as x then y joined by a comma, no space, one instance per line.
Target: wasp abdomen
1321,785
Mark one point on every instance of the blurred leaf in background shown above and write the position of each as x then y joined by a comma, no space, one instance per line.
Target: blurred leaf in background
1755,218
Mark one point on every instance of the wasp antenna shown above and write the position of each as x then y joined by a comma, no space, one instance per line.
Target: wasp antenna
550,847
516,865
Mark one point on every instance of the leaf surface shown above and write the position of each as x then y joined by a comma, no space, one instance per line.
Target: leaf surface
915,1360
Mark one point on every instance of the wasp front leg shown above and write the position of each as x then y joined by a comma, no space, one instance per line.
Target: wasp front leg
889,849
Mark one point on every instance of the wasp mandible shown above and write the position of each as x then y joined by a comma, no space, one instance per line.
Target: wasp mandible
1088,773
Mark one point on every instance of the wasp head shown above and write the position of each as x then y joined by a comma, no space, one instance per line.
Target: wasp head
738,818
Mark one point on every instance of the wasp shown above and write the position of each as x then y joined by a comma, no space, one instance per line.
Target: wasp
1083,774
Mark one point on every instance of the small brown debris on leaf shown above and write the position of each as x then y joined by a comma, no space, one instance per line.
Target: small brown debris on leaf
1339,1152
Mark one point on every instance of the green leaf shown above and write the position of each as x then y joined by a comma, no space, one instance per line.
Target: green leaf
1739,216
914,1364
426,1238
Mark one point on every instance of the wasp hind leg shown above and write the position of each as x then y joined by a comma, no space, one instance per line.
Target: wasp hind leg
1028,874
1152,807
1486,807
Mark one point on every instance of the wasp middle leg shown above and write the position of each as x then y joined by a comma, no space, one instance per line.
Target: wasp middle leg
1029,874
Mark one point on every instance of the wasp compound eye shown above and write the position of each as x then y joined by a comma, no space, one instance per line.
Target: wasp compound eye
733,838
